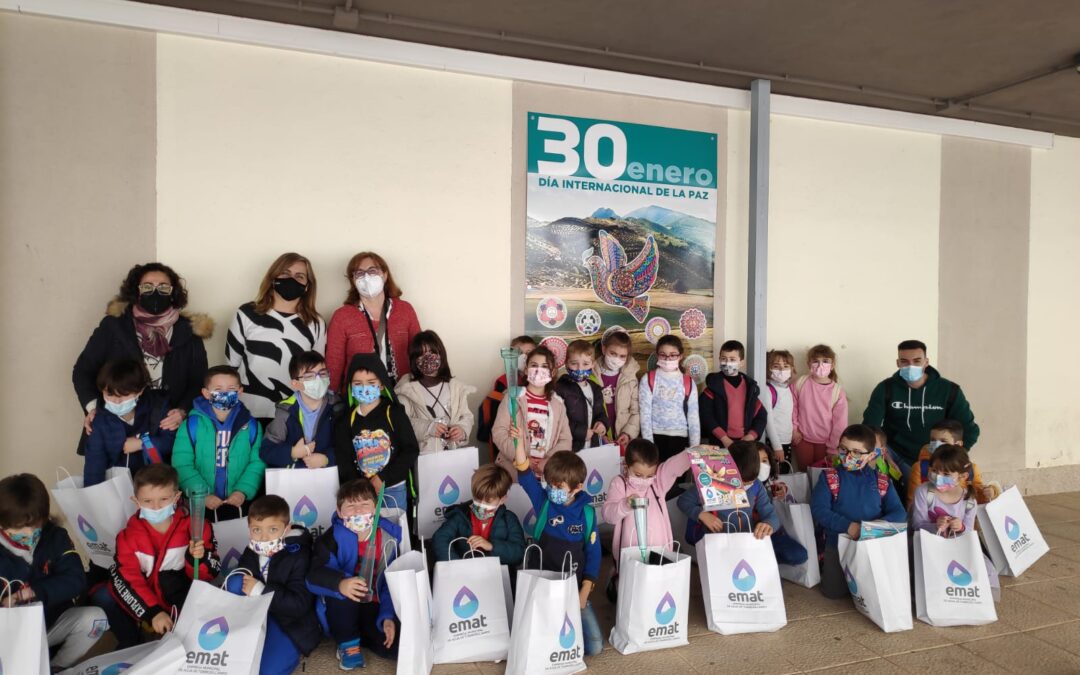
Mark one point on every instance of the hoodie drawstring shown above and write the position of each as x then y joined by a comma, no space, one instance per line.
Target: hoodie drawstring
909,408
924,406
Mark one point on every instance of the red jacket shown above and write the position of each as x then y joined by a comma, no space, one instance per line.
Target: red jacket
135,583
349,334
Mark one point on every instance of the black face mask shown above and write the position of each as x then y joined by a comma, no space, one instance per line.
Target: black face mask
289,289
155,302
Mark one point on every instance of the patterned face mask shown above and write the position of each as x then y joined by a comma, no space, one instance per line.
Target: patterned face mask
267,548
579,375
224,400
25,540
365,393
360,523
484,511
428,364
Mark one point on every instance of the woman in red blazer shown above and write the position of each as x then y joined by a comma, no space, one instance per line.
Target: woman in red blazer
374,318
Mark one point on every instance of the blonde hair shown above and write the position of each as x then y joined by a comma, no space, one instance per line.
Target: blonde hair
780,354
264,301
823,352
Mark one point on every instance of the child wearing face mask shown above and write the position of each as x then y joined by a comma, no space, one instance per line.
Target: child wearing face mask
584,399
276,561
845,497
217,447
301,434
779,401
948,432
946,503
374,439
617,377
128,433
38,558
644,476
668,402
356,610
485,420
761,518
821,409
566,524
436,402
161,532
541,427
730,404
485,522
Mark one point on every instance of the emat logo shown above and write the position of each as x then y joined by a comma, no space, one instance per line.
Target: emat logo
449,491
305,512
213,633
665,611
567,634
743,576
87,529
465,603
594,484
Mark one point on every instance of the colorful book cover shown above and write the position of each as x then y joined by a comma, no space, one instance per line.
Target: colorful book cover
717,478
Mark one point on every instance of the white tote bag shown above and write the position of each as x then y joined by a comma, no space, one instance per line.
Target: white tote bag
798,524
444,479
398,517
1011,535
166,658
97,513
231,538
222,633
653,601
23,645
815,473
469,609
951,584
548,637
407,578
740,583
311,494
798,486
877,576
602,465
161,657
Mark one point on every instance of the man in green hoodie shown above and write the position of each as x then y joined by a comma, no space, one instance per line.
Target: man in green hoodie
912,401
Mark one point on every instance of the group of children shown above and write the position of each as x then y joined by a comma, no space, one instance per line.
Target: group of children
373,435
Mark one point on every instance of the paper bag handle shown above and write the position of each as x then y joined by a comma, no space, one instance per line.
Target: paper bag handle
737,513
525,557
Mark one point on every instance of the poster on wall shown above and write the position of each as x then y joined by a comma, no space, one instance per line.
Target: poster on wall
620,234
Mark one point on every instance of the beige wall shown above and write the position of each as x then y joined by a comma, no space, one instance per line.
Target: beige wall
76,210
117,146
263,151
1053,322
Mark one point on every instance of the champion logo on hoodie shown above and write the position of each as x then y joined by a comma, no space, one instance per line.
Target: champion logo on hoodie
900,405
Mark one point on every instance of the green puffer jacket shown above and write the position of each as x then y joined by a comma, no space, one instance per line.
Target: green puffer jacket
196,465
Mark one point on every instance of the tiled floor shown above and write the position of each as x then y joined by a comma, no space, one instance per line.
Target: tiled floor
1038,629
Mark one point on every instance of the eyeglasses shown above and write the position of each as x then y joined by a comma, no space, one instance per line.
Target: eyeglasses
369,272
163,289
312,376
857,453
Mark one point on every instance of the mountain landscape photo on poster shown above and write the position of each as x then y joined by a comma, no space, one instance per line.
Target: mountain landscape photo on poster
620,234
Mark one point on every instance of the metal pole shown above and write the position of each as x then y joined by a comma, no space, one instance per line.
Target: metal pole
757,264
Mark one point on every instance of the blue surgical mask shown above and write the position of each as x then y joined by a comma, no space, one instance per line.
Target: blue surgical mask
155,516
911,373
365,393
123,407
944,482
557,495
27,540
224,400
579,375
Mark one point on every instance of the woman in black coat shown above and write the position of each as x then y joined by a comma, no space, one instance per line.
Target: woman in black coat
145,321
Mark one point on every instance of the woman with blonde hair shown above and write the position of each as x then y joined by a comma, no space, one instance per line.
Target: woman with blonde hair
266,334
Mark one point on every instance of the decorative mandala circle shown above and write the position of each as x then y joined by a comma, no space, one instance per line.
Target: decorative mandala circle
551,312
692,323
587,321
696,367
556,346
611,330
657,328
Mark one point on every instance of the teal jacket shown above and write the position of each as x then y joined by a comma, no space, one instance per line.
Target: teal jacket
194,462
907,414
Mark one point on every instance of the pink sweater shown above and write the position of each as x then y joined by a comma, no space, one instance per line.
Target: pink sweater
616,510
818,420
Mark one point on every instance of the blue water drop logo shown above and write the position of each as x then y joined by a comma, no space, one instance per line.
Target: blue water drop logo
213,633
743,576
1012,529
594,484
567,634
116,669
449,491
958,574
231,559
87,529
305,512
850,579
665,611
465,603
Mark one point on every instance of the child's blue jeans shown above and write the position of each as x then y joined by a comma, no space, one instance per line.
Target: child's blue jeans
590,627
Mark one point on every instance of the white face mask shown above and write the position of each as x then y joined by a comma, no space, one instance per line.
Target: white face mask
614,363
369,285
764,472
317,388
523,358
